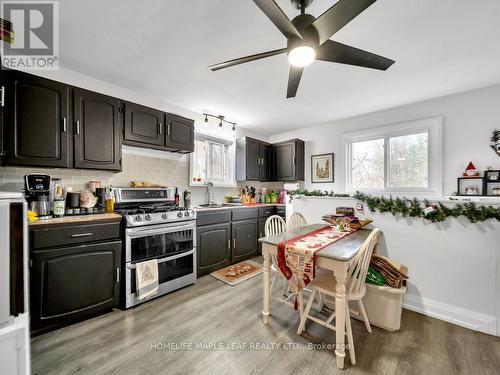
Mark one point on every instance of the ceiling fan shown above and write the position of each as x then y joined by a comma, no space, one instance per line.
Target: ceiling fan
308,39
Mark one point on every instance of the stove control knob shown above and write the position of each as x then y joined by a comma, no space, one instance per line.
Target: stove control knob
165,216
187,213
138,218
179,214
148,217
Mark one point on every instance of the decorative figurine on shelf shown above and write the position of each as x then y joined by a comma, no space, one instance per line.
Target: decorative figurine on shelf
471,171
495,141
471,190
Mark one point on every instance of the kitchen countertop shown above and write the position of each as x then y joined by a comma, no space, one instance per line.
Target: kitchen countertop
199,209
77,219
343,250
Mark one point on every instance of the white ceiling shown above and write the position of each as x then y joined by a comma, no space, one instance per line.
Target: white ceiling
164,47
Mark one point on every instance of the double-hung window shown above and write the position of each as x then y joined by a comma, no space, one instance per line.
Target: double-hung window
213,160
400,158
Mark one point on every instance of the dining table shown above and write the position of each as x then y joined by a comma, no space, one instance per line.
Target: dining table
336,257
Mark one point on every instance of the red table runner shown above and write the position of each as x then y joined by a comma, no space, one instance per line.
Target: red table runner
297,256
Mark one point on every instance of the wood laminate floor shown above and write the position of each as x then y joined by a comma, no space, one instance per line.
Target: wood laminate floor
212,328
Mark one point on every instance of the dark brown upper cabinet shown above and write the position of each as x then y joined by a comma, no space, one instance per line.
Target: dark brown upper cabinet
253,160
289,161
97,131
144,127
179,135
37,121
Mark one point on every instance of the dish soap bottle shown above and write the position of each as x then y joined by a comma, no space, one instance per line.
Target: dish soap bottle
110,201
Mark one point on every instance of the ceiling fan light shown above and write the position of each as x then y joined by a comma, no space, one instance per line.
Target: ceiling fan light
301,56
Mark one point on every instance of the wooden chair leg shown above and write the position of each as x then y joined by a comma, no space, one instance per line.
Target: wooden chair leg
320,301
365,317
350,339
305,313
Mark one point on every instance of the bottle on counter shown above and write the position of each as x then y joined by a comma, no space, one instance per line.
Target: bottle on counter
187,198
59,202
110,201
176,196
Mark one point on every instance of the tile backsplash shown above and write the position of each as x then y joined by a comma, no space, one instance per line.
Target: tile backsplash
161,171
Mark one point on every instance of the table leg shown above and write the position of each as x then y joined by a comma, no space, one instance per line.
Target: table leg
340,274
265,284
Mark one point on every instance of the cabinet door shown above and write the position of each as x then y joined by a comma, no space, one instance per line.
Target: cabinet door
265,162
252,159
97,131
213,247
284,159
36,121
143,126
68,284
244,239
180,134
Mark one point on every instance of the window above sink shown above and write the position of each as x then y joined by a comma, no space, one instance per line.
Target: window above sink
213,160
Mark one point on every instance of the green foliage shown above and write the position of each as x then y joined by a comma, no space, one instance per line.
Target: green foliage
415,208
318,193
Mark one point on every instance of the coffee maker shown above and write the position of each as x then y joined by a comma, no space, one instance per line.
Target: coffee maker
37,188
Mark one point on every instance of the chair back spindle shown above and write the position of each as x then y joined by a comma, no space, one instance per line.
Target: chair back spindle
296,220
359,268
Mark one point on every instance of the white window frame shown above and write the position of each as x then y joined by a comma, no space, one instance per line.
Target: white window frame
432,126
229,161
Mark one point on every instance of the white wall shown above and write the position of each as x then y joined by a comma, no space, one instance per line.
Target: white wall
453,266
468,121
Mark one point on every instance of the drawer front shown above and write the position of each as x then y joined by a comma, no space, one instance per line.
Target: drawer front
267,211
77,234
281,211
245,214
213,217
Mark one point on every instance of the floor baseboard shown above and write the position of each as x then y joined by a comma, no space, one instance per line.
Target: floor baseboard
449,313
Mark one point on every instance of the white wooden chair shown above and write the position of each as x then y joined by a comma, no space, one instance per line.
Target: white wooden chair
296,220
355,290
274,225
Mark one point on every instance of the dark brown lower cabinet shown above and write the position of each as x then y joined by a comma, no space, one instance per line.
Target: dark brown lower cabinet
72,283
213,247
245,239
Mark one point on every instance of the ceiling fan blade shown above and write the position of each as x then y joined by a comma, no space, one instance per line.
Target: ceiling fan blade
338,16
293,81
241,60
278,17
343,54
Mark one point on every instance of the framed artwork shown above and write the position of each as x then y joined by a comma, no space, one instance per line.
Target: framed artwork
322,168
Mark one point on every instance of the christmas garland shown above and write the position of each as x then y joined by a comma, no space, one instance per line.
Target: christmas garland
435,212
318,193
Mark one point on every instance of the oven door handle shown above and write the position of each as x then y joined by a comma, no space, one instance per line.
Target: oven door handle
163,260
164,230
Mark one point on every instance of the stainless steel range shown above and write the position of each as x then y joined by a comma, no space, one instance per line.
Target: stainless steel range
155,228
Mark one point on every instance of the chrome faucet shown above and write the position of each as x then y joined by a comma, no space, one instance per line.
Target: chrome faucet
207,186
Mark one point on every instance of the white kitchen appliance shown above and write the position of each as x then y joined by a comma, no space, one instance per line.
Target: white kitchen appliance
14,315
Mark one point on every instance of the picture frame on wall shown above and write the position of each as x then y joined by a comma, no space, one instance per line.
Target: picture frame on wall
322,168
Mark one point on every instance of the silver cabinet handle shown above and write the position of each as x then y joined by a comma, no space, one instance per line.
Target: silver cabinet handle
2,96
168,128
81,235
228,244
77,127
161,126
65,124
234,243
117,274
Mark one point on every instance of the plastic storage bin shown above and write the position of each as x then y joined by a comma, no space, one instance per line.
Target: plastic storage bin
383,306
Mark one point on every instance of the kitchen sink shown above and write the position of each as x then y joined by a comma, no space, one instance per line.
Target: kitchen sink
211,205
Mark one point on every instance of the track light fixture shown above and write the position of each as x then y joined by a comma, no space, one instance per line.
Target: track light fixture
222,120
